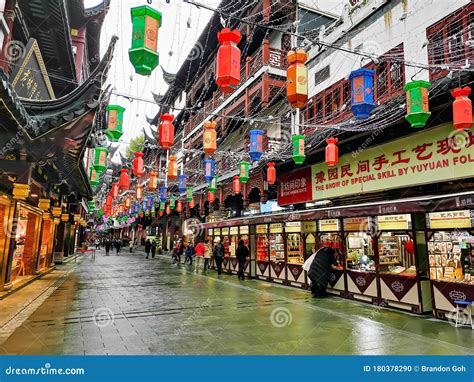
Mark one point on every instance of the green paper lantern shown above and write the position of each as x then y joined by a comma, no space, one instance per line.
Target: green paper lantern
244,172
144,51
418,110
213,184
189,194
153,213
172,203
100,159
114,122
298,148
94,177
91,206
162,206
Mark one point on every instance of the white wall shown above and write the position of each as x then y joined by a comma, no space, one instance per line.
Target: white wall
406,23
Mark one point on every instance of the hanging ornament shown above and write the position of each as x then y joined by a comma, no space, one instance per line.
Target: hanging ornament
100,159
271,173
256,145
166,131
91,206
128,201
362,89
462,108
209,170
114,122
138,164
236,185
150,202
209,138
162,206
417,103
153,183
115,189
182,183
228,60
163,193
179,206
298,149
244,171
191,203
332,152
108,201
93,177
172,203
144,51
139,192
124,180
210,197
168,210
297,78
189,194
172,168
213,184
144,205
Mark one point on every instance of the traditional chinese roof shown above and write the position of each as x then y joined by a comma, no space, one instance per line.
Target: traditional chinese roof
55,132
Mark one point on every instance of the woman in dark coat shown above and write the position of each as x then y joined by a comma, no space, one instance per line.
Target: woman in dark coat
242,253
320,270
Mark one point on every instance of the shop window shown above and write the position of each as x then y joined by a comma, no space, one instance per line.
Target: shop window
396,254
360,253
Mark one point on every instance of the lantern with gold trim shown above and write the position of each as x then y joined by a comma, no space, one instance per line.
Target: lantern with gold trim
209,170
153,183
297,78
144,51
138,165
228,60
94,177
114,129
139,192
244,171
462,108
172,168
128,201
418,110
256,145
362,92
100,159
209,138
213,184
298,149
44,204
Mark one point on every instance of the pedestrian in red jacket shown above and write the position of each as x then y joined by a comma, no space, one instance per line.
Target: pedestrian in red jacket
199,250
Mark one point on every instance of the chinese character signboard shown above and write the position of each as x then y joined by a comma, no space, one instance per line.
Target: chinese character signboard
295,187
431,156
450,219
394,222
29,77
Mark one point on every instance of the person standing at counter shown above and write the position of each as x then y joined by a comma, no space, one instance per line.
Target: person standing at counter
319,271
218,254
241,254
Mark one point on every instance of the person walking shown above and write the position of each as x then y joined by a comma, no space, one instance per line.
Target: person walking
199,250
241,254
130,245
218,254
207,254
147,248
180,251
97,243
108,244
189,254
153,248
320,269
118,244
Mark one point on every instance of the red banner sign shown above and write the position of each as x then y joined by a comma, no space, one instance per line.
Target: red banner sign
295,187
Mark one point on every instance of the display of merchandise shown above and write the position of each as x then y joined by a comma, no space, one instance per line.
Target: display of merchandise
389,250
360,255
226,244
294,248
277,250
262,248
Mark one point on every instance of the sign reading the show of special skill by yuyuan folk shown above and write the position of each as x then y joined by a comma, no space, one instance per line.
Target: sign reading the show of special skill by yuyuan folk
29,77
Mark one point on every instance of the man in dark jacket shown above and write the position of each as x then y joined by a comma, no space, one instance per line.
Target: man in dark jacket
218,254
242,253
320,270
147,248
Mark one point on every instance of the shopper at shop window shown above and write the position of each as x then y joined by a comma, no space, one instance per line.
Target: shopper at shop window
320,270
147,248
153,248
241,254
200,249
218,254
207,254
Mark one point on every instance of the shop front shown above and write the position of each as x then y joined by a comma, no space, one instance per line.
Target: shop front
6,222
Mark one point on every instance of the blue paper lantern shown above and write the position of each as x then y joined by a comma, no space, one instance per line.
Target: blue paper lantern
163,192
144,205
362,92
182,183
209,170
135,208
150,201
256,145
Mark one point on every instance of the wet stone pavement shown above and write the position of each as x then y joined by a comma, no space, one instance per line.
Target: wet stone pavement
129,305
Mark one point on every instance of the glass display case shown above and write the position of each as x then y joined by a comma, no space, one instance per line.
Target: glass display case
277,247
396,254
360,253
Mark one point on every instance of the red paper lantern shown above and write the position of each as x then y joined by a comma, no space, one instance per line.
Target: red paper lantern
166,131
124,180
179,206
138,164
153,183
128,201
210,197
271,173
108,201
160,213
191,203
139,192
168,209
172,168
236,185
209,138
462,108
228,60
332,152
115,190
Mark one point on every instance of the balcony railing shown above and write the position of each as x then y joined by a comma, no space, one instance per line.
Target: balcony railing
266,56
